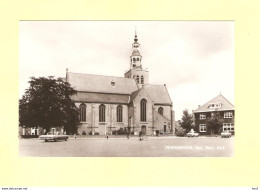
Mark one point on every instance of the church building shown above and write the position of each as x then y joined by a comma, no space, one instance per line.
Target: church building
108,103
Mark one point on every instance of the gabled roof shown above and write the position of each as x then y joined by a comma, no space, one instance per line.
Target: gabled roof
93,97
158,94
101,83
157,114
220,99
134,94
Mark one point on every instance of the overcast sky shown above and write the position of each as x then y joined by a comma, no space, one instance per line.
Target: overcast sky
195,59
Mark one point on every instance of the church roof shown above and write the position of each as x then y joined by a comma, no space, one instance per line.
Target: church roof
101,83
220,100
92,97
158,94
134,94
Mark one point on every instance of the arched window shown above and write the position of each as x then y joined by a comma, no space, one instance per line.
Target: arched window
119,113
160,110
137,79
143,109
134,59
102,113
82,113
142,79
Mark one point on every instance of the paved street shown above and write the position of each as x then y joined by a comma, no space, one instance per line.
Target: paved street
123,147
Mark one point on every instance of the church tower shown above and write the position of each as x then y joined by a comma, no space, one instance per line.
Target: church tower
136,71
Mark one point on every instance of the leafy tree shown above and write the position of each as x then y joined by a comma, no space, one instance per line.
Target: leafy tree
47,104
215,122
187,121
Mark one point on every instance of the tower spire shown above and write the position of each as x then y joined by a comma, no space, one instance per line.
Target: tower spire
136,39
135,58
136,71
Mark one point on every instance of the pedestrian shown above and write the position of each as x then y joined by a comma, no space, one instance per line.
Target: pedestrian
127,135
141,135
107,135
75,136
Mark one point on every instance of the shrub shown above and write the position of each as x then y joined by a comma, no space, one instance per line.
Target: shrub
120,131
180,133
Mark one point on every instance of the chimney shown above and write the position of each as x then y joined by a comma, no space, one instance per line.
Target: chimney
198,106
66,74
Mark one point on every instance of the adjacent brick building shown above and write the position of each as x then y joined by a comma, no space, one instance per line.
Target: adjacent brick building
204,113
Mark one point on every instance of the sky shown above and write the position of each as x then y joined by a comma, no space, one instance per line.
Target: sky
195,59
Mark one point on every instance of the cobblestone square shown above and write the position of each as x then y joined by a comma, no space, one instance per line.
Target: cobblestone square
123,147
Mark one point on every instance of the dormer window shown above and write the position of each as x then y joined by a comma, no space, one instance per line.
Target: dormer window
217,105
113,83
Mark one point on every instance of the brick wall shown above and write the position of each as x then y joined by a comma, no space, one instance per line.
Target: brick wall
198,121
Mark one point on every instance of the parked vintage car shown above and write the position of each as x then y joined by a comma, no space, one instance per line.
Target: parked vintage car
192,134
226,134
54,137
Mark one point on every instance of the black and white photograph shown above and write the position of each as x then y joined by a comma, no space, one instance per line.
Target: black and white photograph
126,89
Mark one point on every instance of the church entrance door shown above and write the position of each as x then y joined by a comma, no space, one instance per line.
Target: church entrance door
164,128
143,128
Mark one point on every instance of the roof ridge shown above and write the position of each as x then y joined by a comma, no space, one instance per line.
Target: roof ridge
154,84
168,93
136,90
227,100
207,102
213,99
100,75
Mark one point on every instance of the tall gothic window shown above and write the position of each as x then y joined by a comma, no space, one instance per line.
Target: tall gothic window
119,113
82,113
160,110
142,79
102,113
137,79
143,109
